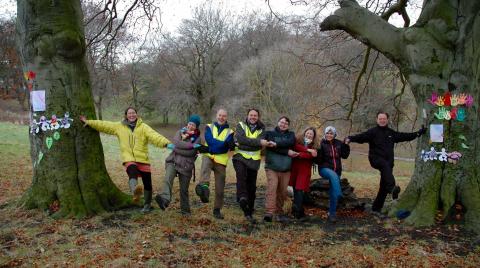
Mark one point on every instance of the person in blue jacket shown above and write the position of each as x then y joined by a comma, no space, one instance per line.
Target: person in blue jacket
219,139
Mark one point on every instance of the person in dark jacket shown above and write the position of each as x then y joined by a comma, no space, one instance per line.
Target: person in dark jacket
181,162
249,139
381,140
329,159
301,170
278,160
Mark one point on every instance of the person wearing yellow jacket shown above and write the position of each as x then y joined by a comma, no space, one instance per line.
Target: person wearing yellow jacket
134,137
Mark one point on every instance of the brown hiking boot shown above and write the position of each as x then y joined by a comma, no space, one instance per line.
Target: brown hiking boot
137,193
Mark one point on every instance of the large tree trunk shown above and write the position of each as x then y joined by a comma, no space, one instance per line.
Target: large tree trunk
439,52
72,171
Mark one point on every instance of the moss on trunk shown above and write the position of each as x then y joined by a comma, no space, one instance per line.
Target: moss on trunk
72,171
439,52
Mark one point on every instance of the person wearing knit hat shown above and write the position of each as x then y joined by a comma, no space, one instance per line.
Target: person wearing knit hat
329,160
194,118
181,161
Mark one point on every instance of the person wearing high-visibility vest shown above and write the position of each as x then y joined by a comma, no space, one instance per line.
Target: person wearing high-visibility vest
219,139
249,138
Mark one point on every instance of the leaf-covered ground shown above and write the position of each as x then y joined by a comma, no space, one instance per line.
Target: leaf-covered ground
165,238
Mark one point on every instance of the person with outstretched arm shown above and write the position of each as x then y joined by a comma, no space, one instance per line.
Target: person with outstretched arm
134,136
381,140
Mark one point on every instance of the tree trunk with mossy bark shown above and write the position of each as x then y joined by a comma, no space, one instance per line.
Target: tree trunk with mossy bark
68,168
440,52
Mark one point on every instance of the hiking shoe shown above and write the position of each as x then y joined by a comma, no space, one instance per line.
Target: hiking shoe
267,218
378,214
186,213
395,192
332,219
137,193
244,205
251,219
162,202
282,219
217,214
203,192
147,208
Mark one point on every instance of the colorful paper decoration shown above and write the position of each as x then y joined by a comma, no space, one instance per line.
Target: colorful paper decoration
441,156
49,142
451,100
53,124
38,100
30,77
458,114
442,114
40,157
461,114
56,135
453,157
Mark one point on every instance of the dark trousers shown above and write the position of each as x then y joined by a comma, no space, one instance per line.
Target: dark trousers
133,173
246,183
387,182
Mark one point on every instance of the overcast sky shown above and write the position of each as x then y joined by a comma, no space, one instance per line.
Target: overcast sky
173,11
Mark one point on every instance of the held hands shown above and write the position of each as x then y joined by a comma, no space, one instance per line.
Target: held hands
266,143
346,140
170,146
271,144
313,152
292,153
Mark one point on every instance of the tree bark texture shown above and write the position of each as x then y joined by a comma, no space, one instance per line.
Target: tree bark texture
71,170
440,52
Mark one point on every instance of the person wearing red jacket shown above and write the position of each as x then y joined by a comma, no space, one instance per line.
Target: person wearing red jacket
301,170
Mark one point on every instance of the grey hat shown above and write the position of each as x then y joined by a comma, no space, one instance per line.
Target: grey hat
330,129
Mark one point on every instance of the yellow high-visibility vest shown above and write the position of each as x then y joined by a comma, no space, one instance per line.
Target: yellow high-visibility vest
219,158
255,155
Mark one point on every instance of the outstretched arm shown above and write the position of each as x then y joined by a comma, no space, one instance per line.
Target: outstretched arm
359,138
107,127
155,138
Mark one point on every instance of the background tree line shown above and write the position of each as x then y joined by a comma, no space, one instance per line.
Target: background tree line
216,59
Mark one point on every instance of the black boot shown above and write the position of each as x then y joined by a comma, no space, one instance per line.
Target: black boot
162,202
203,192
217,214
147,196
244,206
297,208
395,192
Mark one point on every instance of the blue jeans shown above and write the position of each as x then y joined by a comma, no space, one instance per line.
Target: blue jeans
335,189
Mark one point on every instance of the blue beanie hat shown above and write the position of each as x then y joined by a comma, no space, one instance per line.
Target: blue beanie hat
194,119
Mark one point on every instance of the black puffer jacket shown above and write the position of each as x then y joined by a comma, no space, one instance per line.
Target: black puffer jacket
381,141
330,154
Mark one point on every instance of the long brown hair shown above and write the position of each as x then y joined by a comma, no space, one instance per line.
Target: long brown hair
300,137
